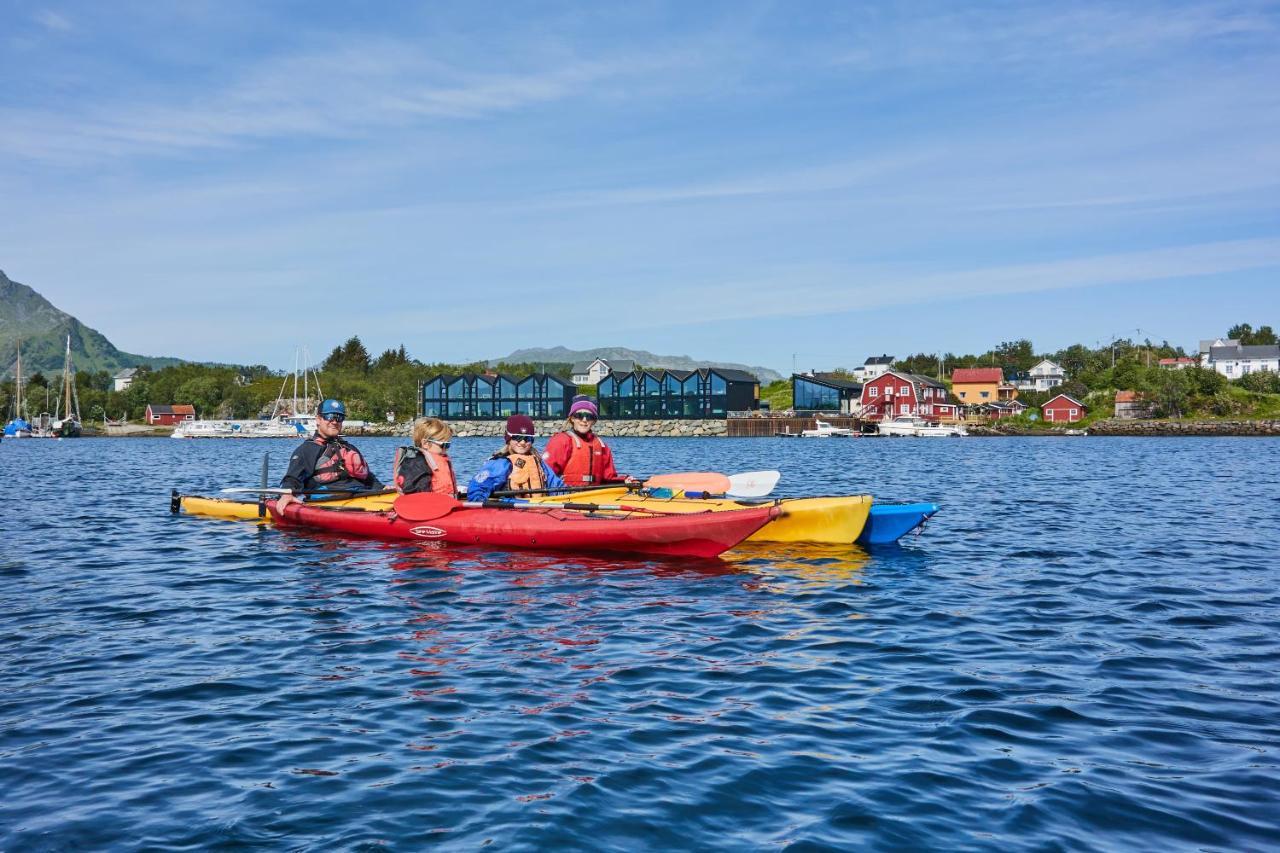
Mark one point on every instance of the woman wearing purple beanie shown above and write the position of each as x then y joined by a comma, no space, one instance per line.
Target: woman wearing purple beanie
516,467
579,455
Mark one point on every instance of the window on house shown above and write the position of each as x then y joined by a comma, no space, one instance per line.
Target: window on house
1071,413
874,392
985,394
904,390
905,408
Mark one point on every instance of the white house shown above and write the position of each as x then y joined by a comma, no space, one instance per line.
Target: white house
876,365
591,372
1045,375
124,378
1233,359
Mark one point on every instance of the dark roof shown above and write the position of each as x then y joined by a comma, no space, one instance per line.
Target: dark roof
831,380
660,372
1251,351
736,375
879,359
493,377
620,365
582,366
923,380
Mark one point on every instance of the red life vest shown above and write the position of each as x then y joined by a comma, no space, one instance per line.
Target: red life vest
338,461
585,465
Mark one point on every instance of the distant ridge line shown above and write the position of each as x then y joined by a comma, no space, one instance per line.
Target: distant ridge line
642,358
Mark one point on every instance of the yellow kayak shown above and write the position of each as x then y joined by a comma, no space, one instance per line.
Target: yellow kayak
242,510
833,520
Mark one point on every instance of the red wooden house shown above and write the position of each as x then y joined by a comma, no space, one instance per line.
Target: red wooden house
170,415
892,394
1063,409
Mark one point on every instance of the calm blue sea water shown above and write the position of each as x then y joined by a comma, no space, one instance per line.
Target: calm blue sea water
1080,653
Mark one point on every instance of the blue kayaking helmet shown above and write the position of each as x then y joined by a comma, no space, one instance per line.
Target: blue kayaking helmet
332,407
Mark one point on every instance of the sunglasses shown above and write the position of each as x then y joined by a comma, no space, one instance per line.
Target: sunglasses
443,445
584,416
520,437
333,418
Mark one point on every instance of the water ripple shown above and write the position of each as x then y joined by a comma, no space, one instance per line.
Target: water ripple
1064,660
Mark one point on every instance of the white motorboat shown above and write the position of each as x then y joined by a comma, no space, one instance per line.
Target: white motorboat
822,429
269,428
206,429
916,427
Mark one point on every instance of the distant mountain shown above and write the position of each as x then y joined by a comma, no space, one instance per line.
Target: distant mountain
641,357
43,330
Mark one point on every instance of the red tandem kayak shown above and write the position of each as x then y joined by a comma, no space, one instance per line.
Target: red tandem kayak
704,534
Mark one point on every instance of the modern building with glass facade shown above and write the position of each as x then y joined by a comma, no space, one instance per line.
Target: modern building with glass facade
824,393
477,396
709,392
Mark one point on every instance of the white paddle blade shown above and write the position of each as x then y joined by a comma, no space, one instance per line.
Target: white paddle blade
752,484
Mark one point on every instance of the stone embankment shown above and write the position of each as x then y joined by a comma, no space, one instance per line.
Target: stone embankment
1126,427
638,428
1145,427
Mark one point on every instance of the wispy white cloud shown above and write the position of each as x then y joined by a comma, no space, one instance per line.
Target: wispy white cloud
862,288
52,20
1012,35
348,90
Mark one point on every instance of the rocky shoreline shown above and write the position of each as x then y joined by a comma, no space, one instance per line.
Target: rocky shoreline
633,428
1151,428
719,428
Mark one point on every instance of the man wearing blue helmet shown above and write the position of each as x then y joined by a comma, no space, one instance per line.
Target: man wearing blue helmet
327,461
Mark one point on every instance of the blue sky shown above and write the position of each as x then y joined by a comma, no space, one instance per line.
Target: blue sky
769,183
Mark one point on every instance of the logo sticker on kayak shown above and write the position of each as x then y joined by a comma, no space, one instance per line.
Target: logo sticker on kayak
427,532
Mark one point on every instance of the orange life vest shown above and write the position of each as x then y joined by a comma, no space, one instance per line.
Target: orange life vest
526,473
443,480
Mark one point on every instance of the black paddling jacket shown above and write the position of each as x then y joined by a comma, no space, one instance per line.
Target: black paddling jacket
334,465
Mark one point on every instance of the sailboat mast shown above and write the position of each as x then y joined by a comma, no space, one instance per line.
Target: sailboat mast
66,380
17,412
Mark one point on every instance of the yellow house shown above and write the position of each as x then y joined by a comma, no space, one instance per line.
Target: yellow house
973,386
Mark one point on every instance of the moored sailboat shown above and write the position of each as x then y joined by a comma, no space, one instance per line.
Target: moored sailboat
68,426
18,426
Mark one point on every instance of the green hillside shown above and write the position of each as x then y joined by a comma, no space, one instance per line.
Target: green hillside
27,316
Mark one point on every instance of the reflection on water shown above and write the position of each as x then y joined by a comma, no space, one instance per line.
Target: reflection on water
810,562
1062,661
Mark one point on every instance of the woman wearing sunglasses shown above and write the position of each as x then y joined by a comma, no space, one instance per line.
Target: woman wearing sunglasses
327,461
426,466
516,467
579,455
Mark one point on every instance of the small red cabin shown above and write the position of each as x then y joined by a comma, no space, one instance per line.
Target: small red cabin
170,415
1063,409
892,394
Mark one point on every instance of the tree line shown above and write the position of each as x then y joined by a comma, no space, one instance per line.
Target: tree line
370,386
